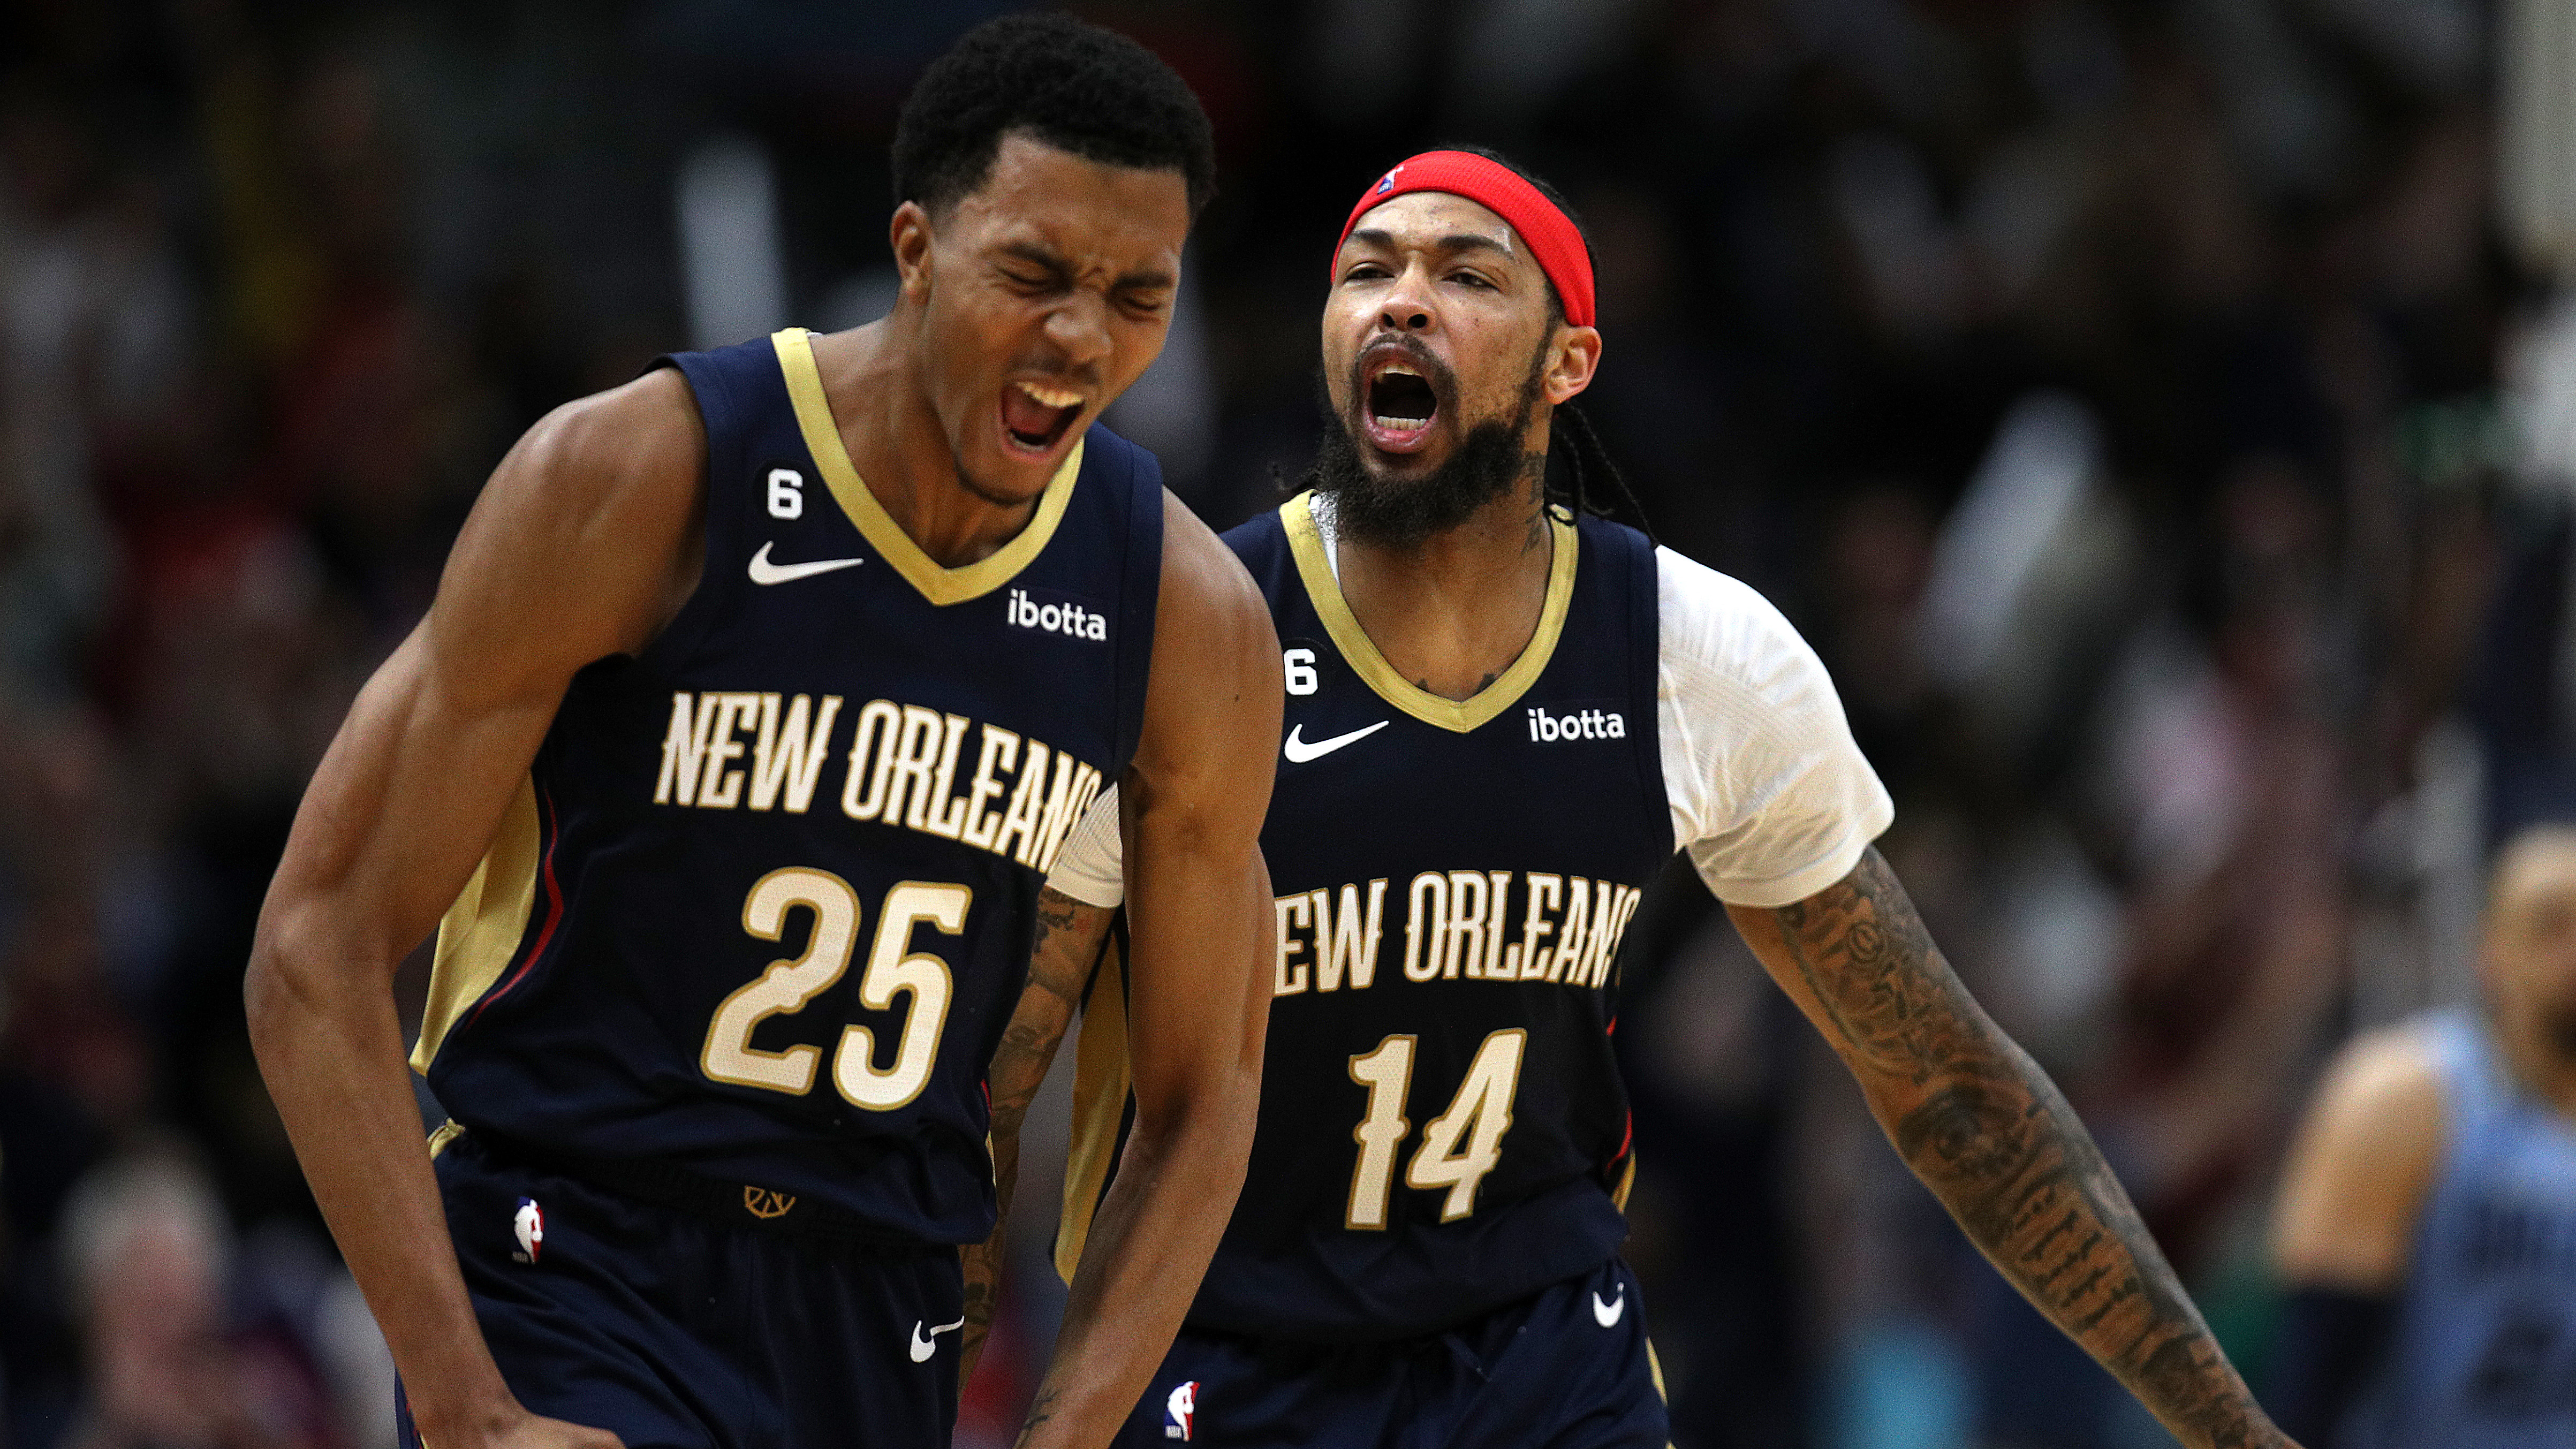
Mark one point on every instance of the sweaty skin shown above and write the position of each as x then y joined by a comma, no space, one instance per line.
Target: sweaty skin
1974,1117
1057,270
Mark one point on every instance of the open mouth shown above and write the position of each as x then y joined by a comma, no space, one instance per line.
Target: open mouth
1398,406
1036,416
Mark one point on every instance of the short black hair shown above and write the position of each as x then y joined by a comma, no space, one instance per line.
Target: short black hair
1074,86
1556,198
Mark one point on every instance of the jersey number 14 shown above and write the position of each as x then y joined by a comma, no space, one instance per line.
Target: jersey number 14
1458,1147
790,983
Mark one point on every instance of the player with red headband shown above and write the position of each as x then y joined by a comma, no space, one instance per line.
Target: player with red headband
1504,714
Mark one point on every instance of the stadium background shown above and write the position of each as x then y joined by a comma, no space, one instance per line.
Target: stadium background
2156,411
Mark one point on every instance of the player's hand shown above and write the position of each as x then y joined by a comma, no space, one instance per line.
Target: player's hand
536,1431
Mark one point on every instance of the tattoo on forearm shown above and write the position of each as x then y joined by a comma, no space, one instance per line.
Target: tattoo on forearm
982,1263
1050,963
1989,1134
1057,964
1039,1412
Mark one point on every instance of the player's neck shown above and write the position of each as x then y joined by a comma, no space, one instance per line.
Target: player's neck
902,456
2530,1059
1452,612
2546,1073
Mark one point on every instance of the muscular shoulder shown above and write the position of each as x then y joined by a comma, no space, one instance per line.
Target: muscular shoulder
587,523
2362,1164
1208,602
638,446
1212,703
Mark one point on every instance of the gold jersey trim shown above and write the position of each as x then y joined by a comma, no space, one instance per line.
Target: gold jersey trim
939,584
1306,541
447,1133
1100,1083
481,931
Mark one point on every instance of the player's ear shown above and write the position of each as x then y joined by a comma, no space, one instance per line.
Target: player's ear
1572,359
909,235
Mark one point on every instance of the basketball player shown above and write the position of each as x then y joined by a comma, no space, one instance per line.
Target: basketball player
1504,714
2427,1225
764,688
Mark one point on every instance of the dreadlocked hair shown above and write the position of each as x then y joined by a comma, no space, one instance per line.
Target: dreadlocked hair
1587,466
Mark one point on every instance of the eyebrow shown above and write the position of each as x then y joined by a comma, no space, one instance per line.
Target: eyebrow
1462,241
1036,255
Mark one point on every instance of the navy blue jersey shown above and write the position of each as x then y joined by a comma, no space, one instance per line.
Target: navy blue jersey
766,901
1568,1367
1442,1125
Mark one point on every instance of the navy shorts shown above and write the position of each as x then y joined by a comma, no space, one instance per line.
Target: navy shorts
674,1331
1567,1368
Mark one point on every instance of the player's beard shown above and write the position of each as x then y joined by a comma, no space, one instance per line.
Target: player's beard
1394,513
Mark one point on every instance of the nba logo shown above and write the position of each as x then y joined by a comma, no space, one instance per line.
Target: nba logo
1180,1411
530,1225
1386,183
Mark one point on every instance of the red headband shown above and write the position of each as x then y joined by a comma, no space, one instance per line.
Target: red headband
1548,231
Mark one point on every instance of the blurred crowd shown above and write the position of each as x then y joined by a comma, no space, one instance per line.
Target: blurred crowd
2135,401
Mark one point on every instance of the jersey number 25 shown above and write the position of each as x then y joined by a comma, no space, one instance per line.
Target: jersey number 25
789,983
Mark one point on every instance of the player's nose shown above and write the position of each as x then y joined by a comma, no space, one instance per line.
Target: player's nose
1406,305
1079,331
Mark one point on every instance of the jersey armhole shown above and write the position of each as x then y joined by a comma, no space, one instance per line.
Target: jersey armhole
1139,596
1645,686
712,596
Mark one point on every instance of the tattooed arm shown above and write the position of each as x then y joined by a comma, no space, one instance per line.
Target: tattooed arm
1985,1129
1069,938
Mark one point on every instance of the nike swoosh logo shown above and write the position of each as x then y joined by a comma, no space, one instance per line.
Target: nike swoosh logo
922,1347
1299,752
765,572
1605,1314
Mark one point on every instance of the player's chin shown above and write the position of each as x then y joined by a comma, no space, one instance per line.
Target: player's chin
1009,468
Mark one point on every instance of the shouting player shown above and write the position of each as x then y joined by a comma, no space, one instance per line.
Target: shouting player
2427,1224
765,688
1504,715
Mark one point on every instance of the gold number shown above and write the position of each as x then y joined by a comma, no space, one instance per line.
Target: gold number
1384,1072
1479,1115
786,985
890,970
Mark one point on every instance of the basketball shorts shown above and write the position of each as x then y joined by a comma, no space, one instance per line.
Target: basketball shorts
676,1331
1567,1368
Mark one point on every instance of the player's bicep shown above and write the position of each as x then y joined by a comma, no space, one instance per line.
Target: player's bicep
569,555
1198,896
2357,1174
576,549
1213,702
